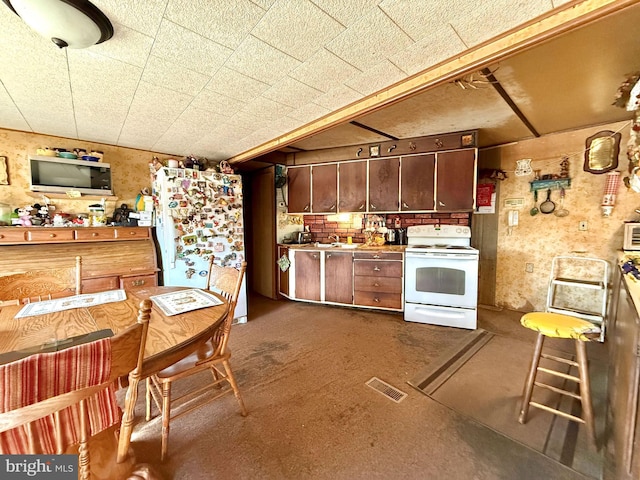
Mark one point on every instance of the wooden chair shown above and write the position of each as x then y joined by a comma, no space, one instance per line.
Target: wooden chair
37,285
74,407
213,355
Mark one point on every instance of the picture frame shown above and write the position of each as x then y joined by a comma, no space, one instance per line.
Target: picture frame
4,175
601,152
374,150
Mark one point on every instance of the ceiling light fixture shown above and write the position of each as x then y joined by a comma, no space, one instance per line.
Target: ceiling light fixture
68,23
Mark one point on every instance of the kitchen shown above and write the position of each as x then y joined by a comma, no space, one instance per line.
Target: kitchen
505,282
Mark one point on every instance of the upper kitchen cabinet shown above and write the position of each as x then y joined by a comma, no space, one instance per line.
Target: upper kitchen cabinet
352,186
324,188
417,182
299,189
384,184
456,180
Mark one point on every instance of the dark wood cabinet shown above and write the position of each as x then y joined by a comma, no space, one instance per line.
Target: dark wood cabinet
307,275
352,186
283,276
324,188
338,277
384,177
299,189
417,182
378,280
456,174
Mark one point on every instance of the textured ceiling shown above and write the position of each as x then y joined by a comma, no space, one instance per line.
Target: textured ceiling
216,78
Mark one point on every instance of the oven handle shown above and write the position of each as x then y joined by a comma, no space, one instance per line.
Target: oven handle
452,256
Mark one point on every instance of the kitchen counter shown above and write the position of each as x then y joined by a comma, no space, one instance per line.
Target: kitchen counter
355,246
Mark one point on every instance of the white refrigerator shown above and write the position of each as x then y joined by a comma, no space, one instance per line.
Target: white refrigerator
199,214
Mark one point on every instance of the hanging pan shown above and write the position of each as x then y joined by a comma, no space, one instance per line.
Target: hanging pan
547,206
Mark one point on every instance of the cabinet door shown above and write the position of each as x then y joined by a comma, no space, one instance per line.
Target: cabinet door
307,274
417,182
456,174
283,277
338,277
352,186
324,188
384,176
299,189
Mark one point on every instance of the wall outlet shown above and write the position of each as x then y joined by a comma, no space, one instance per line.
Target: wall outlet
582,226
529,268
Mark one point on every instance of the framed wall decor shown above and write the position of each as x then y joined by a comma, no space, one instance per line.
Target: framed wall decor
601,153
374,150
4,176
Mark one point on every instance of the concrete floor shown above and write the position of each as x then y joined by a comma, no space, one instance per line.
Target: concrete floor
302,370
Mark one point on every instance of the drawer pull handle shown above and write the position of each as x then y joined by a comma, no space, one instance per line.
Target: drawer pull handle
132,233
1,236
137,283
52,235
306,208
314,255
332,207
376,284
376,299
404,205
372,206
361,207
328,255
376,269
94,234
376,256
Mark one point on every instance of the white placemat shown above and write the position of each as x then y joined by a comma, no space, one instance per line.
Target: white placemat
185,301
67,303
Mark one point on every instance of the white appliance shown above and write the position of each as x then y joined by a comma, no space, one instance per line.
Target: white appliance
441,276
199,214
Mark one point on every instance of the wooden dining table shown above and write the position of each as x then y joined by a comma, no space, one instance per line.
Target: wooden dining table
169,338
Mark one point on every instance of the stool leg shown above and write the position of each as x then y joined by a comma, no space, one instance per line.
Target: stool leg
585,390
528,387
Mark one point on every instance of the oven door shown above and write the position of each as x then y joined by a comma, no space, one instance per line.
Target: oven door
449,280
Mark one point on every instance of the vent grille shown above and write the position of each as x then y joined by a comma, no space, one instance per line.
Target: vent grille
387,390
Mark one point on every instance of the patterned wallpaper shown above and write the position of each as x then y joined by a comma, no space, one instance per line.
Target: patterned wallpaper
537,239
129,167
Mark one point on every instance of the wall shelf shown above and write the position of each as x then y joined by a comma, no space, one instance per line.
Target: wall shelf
64,196
553,184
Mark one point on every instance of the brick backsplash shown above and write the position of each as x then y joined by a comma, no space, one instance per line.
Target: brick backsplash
321,228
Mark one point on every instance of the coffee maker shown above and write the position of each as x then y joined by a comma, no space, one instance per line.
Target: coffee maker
401,236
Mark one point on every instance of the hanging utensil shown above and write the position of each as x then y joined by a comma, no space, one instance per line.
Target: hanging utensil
547,206
534,209
561,212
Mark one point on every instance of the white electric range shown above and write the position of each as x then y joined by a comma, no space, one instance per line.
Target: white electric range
441,276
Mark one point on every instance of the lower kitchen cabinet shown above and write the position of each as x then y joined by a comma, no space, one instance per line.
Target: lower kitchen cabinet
307,275
338,277
283,276
378,280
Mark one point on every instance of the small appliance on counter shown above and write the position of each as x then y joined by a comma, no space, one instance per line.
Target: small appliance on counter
302,237
631,236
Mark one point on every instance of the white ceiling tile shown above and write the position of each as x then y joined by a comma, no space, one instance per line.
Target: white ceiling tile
347,11
324,70
126,45
258,60
172,76
103,128
144,17
429,51
265,4
246,122
222,21
287,27
292,93
376,78
417,19
369,40
11,118
266,109
338,97
187,48
214,102
59,123
236,85
309,112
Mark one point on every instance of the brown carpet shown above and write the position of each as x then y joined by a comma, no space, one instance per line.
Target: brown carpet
302,370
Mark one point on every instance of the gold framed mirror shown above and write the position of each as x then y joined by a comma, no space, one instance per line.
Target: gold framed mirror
601,153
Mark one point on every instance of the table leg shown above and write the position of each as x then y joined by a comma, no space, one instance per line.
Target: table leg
128,417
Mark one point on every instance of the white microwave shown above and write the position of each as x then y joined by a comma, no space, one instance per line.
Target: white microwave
631,236
53,174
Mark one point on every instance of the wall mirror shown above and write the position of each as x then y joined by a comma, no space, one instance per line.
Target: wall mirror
601,153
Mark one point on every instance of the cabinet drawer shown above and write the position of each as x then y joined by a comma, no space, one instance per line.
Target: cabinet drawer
92,285
150,280
46,235
12,235
95,234
375,299
132,232
378,284
377,268
377,255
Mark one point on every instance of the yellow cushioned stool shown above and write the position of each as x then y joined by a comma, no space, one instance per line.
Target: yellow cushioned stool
560,326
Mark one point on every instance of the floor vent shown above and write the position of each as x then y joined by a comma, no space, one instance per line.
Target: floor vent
387,390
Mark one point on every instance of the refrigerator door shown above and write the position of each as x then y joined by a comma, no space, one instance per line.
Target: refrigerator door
199,214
